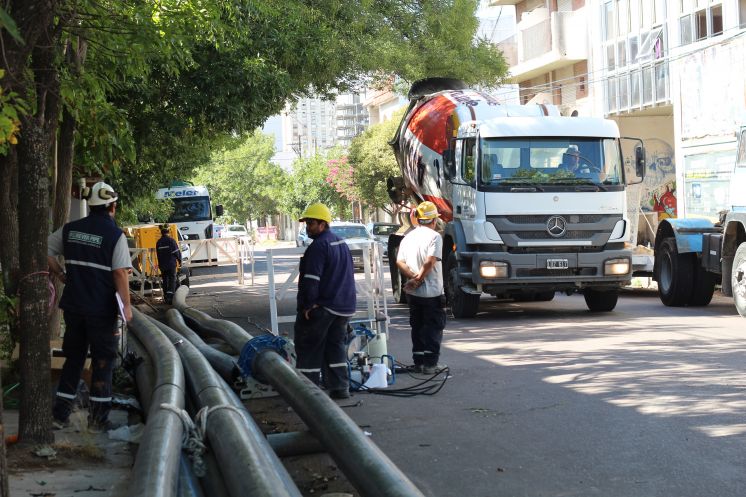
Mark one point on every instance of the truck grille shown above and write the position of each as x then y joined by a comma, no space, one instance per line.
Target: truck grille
590,228
555,273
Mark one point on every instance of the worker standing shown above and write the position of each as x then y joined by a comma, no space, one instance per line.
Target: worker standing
419,260
168,255
97,263
326,301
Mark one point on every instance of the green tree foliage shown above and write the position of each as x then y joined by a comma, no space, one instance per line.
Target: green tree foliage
309,182
374,162
244,179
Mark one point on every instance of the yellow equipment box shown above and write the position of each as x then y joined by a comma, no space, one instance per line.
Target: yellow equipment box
145,236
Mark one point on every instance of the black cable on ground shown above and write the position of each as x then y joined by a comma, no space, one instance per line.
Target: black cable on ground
428,386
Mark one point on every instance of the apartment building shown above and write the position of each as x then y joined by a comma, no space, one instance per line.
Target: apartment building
352,117
309,126
668,71
548,55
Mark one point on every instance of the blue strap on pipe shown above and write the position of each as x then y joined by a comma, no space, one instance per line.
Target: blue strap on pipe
253,347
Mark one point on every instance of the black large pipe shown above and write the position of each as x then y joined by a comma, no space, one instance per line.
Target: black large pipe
189,485
369,470
284,444
224,364
248,464
156,469
144,373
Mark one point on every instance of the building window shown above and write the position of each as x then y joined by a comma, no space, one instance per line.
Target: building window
717,20
610,58
634,83
701,24
623,92
608,20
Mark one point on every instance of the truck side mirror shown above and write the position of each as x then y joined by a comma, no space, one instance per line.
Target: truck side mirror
449,164
395,187
218,210
640,161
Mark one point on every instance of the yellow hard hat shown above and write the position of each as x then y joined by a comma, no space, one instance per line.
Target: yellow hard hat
427,210
317,211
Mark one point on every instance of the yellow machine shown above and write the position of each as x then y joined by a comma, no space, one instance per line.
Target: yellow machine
145,236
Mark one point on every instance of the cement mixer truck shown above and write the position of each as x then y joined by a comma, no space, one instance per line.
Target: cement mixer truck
531,203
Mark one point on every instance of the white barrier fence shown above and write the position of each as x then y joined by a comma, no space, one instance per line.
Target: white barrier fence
204,253
369,287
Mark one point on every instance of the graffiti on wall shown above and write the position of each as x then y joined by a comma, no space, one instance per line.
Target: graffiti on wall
659,187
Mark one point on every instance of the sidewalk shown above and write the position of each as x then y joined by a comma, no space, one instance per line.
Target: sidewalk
85,464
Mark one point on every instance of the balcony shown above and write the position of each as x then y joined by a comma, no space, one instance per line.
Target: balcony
543,45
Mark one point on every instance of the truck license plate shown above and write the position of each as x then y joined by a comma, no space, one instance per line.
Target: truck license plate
557,264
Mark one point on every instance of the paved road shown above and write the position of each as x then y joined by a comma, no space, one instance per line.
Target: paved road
547,399
550,400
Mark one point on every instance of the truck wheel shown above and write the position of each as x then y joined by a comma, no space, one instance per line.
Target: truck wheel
674,274
600,301
738,279
463,305
703,286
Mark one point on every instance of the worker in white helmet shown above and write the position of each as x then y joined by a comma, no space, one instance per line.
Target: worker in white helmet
97,264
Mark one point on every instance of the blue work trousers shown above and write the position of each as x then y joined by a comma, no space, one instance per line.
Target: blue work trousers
102,335
320,348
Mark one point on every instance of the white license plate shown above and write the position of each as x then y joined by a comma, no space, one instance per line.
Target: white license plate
557,264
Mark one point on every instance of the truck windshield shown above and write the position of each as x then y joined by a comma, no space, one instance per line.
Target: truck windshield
190,209
559,162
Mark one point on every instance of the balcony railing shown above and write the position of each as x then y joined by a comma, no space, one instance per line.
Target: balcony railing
553,42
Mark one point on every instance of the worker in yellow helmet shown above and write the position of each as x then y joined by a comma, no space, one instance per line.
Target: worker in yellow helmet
419,260
326,301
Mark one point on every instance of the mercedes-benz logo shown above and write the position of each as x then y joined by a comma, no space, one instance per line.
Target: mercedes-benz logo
557,226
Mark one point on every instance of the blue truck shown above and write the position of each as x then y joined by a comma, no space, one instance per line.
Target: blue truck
693,256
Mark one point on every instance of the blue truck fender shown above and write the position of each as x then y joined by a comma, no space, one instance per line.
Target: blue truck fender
687,232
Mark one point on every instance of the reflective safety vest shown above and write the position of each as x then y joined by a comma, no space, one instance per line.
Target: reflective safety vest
88,247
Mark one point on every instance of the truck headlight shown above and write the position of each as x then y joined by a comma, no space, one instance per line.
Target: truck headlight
492,269
616,267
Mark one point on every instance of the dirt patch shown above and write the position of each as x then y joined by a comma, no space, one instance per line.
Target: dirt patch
23,458
314,474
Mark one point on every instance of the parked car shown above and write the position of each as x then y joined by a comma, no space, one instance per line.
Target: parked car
381,232
302,240
235,231
352,233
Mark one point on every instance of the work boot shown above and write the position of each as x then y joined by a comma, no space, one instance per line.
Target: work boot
340,394
438,368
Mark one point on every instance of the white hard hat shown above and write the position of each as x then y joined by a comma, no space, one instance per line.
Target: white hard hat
100,194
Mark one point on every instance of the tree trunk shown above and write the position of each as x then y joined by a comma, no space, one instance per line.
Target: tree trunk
8,223
35,420
34,160
61,207
4,484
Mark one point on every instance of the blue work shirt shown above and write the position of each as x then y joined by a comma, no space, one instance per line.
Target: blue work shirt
327,278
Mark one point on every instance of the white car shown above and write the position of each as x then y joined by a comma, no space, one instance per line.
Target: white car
352,233
234,231
381,232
